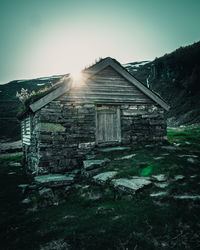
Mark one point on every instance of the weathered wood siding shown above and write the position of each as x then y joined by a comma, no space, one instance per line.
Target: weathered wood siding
108,124
26,131
108,86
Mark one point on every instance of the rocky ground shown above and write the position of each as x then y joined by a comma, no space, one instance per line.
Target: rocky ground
144,198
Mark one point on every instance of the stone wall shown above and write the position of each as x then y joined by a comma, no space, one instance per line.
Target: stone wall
63,133
143,123
67,134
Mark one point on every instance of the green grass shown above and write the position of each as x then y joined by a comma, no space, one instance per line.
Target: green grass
116,220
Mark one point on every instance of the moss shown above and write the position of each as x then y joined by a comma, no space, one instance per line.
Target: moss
52,127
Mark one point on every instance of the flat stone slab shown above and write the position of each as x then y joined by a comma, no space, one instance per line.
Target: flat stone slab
179,177
169,147
113,149
93,164
15,164
160,177
103,177
158,158
187,197
54,180
131,185
126,157
193,156
161,185
158,194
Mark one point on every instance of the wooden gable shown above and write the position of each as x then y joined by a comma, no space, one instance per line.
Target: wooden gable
107,86
104,82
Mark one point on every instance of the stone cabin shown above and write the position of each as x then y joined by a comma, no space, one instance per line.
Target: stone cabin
106,106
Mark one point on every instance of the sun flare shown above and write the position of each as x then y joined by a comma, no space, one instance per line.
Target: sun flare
77,78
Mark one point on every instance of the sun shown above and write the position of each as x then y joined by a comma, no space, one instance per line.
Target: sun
77,77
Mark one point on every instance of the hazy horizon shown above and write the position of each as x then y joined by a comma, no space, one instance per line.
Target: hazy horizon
54,37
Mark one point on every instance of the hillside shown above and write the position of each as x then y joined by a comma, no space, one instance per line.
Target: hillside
176,77
10,104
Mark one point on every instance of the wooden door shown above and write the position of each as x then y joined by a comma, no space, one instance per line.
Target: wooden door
108,125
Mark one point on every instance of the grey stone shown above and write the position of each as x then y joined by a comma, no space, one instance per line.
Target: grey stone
23,187
46,193
158,194
169,147
191,160
11,173
187,197
160,177
179,177
131,185
158,158
93,164
52,180
103,177
90,157
26,201
110,149
15,164
126,157
161,185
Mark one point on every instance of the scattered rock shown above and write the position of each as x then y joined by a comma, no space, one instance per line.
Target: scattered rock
187,142
158,158
26,201
23,187
159,194
15,164
131,185
193,156
161,185
187,197
104,210
90,157
11,173
179,177
126,157
169,147
160,177
191,160
93,164
54,180
103,177
193,176
110,149
46,193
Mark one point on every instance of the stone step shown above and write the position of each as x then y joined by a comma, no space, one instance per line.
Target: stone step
110,149
94,164
131,185
54,180
103,177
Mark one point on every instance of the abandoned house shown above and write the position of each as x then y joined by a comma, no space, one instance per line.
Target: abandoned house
106,106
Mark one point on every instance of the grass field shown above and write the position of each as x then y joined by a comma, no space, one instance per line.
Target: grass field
98,217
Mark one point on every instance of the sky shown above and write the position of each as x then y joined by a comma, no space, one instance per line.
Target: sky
48,37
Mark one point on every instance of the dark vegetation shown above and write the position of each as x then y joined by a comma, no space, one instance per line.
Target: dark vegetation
176,77
10,104
112,220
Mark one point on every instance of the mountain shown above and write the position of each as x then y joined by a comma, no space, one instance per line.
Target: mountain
10,104
174,76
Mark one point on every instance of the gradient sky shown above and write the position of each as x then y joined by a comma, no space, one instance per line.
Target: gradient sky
48,37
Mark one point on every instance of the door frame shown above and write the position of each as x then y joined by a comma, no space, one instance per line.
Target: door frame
107,107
